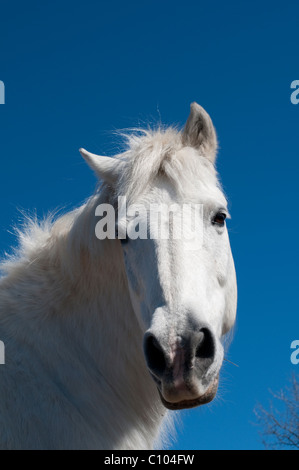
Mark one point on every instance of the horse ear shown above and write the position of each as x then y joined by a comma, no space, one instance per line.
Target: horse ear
106,168
199,132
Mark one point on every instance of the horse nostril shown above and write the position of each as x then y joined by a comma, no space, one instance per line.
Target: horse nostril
205,350
195,353
154,355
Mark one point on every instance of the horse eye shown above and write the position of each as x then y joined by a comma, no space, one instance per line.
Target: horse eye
219,219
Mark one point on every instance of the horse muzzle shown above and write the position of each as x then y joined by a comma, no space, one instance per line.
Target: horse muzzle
185,370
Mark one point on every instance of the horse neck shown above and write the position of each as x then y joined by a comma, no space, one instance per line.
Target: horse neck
109,327
65,305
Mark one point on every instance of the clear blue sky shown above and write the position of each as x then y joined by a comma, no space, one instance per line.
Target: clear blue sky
75,71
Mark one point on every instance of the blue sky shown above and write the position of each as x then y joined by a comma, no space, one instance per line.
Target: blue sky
76,71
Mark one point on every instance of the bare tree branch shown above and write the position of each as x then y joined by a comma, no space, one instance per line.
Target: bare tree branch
280,425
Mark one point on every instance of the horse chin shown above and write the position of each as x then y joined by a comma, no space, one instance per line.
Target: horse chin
207,397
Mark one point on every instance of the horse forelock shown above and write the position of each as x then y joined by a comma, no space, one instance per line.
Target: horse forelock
160,152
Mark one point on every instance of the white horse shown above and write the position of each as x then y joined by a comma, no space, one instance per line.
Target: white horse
101,337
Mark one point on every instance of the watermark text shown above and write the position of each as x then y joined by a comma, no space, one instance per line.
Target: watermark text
158,221
2,93
295,353
2,353
295,94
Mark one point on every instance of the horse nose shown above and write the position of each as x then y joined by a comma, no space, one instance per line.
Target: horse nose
154,355
204,349
174,361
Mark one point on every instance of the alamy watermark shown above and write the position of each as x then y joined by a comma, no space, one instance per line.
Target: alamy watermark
295,95
156,221
2,93
295,354
2,353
